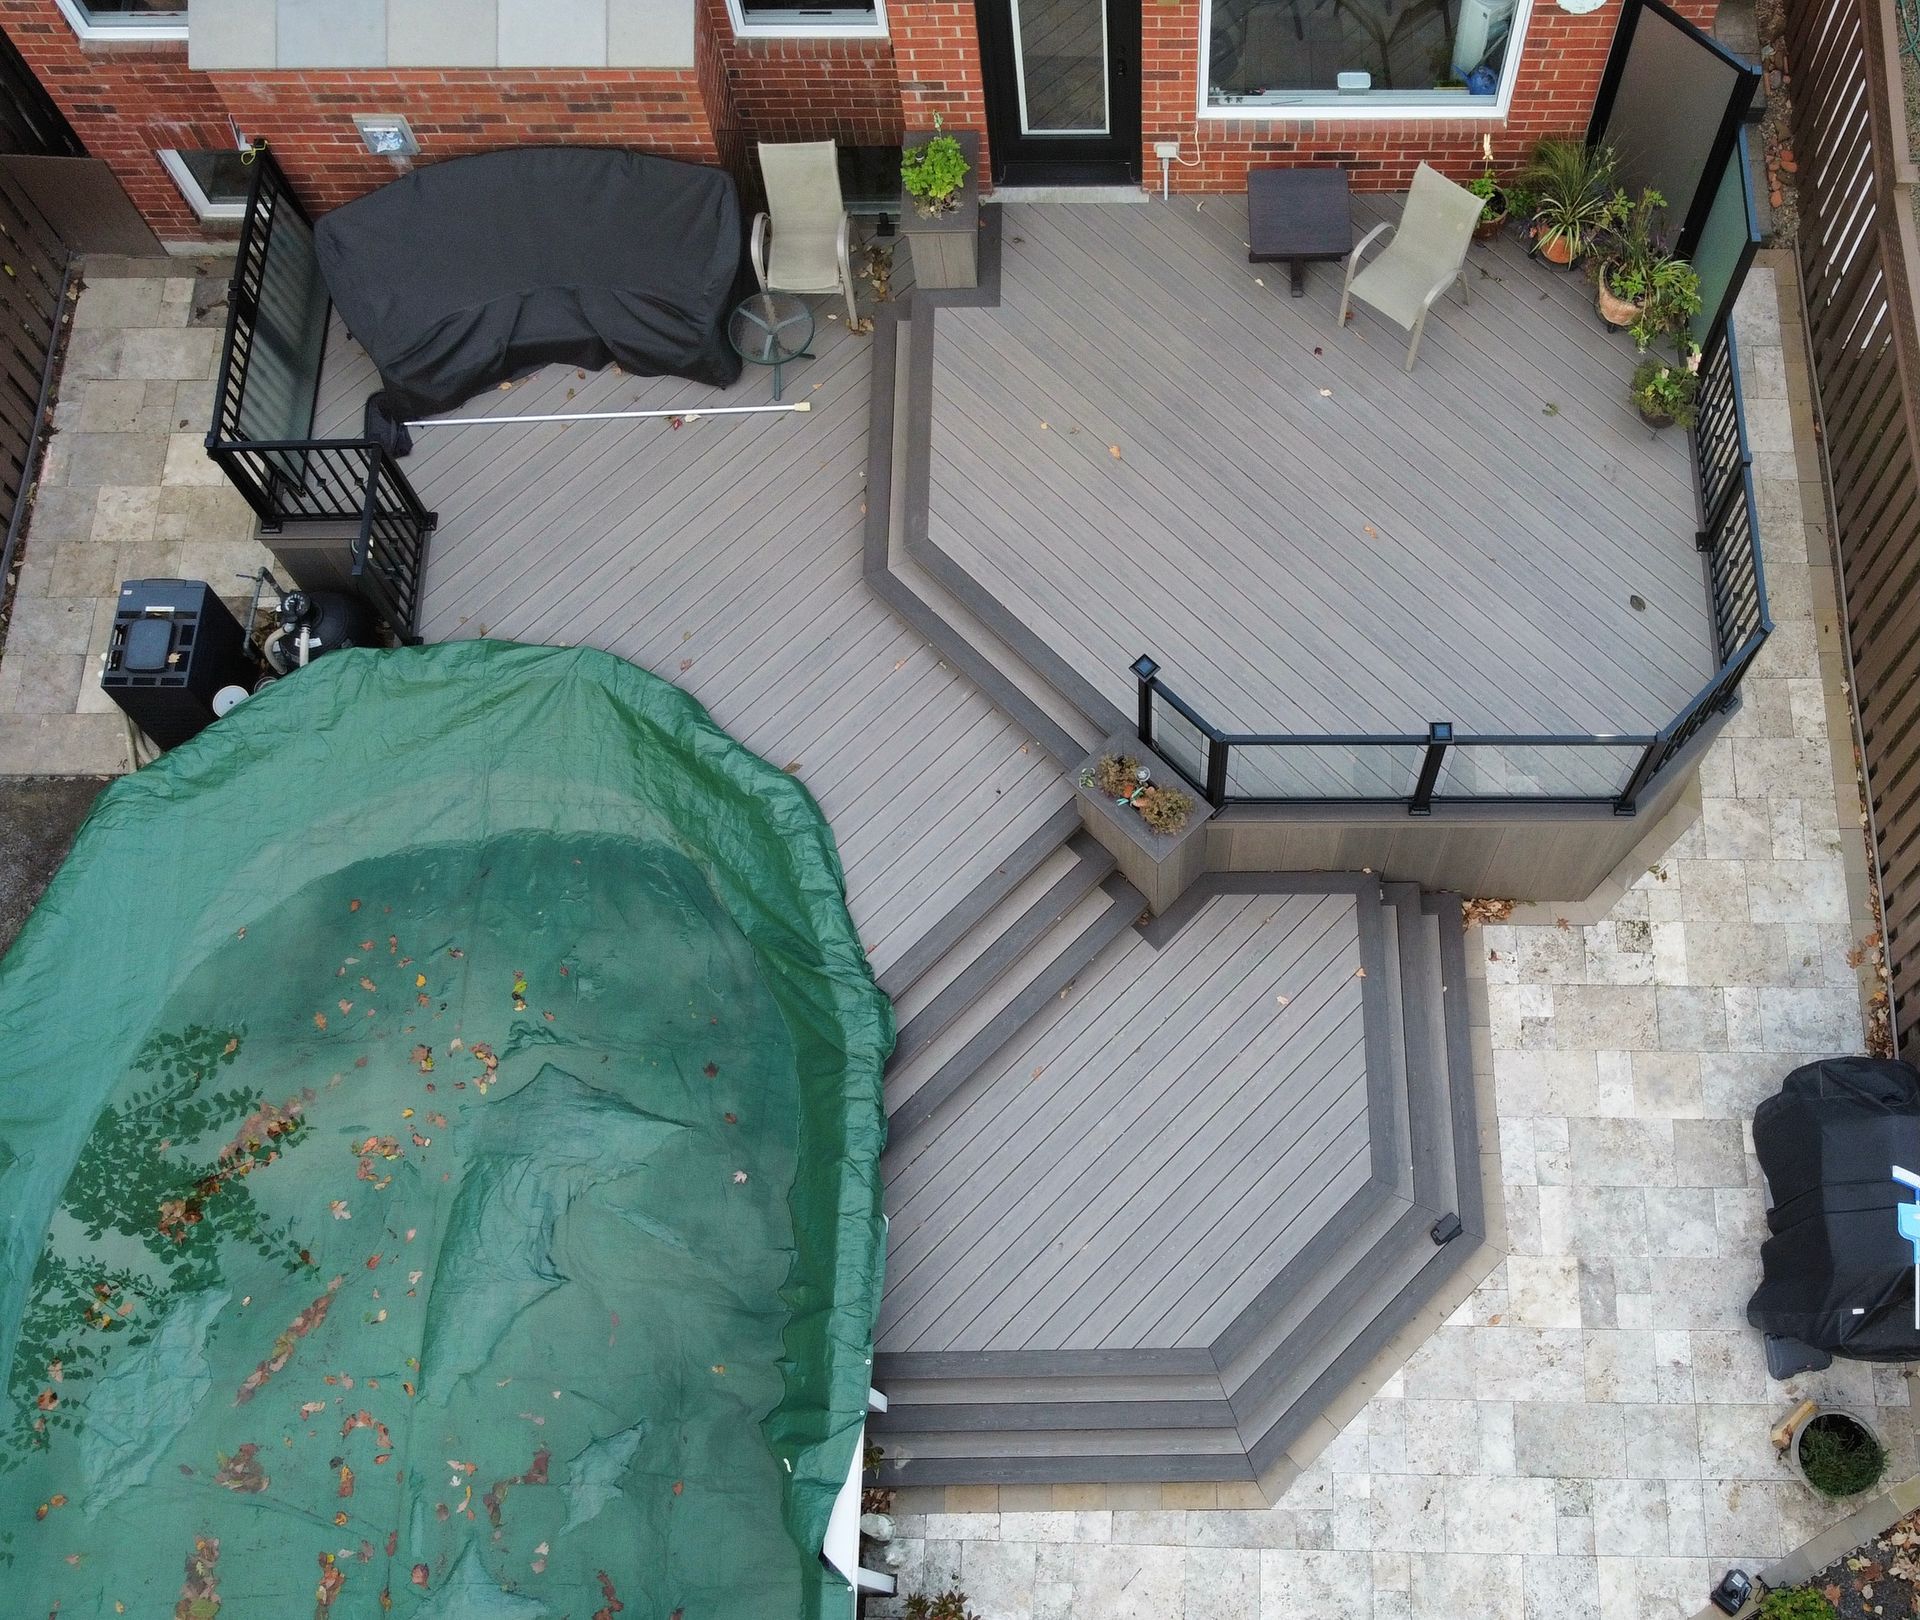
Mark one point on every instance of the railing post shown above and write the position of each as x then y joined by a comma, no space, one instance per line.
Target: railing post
1217,771
1628,801
1144,670
1439,737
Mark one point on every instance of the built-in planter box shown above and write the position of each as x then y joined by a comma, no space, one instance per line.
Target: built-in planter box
1159,865
946,246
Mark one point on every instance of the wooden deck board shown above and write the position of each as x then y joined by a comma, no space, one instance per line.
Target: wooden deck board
725,557
1399,549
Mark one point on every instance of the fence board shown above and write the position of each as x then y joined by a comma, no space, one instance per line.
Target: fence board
1858,258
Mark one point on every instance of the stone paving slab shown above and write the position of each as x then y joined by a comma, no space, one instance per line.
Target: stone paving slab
1586,1434
126,491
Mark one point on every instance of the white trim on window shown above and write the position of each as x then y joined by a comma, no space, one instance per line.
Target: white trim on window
197,199
129,33
831,22
1372,107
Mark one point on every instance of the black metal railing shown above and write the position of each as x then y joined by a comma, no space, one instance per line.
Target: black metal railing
264,395
390,556
1443,765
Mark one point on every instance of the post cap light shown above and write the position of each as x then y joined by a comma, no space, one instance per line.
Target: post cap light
386,134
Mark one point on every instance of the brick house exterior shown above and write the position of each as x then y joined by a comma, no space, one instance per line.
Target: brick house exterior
127,101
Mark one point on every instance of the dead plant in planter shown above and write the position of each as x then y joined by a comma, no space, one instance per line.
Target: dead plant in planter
1117,775
1164,809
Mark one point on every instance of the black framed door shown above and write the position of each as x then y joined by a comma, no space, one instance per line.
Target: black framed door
1062,90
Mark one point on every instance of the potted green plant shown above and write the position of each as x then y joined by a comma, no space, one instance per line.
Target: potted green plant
1164,809
1837,1453
940,206
1667,391
933,172
1573,197
1494,202
1624,255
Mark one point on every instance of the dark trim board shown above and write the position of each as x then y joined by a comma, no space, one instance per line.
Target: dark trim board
1228,1409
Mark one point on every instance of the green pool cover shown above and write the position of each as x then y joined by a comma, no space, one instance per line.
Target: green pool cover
440,1114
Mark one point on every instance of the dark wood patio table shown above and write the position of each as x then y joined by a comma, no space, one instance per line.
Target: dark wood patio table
1297,215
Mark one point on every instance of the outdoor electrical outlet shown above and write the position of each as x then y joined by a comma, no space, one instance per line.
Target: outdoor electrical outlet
1166,149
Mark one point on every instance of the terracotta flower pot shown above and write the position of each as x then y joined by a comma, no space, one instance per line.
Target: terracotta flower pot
1556,250
1616,311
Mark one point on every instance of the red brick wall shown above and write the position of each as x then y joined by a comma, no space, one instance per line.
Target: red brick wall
808,89
124,102
936,47
1559,75
307,117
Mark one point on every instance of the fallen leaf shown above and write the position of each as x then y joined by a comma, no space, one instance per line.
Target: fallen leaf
1114,451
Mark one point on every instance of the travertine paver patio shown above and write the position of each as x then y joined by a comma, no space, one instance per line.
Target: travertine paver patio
1588,1433
127,492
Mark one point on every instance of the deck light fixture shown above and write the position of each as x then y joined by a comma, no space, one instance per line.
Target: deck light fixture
386,135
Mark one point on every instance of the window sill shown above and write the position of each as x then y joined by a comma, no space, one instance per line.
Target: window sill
93,33
1358,110
827,30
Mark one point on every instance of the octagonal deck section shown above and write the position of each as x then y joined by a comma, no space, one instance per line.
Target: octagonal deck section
1146,446
1131,1170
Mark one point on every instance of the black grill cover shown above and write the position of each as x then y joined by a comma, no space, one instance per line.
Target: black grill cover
1828,1142
470,272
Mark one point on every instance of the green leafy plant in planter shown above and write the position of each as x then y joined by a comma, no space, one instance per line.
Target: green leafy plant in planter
1574,197
1796,1603
934,171
1639,286
1668,391
1839,1456
949,1605
1494,201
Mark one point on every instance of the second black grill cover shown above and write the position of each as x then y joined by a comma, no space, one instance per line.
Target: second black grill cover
467,273
1837,1274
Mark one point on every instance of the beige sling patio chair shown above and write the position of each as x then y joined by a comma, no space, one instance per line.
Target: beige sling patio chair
810,228
1428,254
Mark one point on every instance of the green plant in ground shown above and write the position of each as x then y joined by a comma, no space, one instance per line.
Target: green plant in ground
949,1605
1164,809
1573,193
1796,1603
1839,1457
1668,391
933,171
1116,775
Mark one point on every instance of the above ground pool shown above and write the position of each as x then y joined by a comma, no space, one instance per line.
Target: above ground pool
440,1109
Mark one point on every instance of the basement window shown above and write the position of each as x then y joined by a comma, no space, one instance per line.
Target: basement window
127,20
215,184
788,19
1366,59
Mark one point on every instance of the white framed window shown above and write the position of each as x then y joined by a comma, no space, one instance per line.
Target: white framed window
804,19
215,184
127,20
1360,59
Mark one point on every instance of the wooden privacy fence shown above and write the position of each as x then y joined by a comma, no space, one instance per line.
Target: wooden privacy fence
33,280
1858,256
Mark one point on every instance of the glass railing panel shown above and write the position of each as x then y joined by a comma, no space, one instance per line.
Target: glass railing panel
1324,770
1556,770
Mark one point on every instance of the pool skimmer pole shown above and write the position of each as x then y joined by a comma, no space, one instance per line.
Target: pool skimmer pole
692,415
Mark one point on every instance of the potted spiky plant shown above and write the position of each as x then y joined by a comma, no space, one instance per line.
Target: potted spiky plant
1574,197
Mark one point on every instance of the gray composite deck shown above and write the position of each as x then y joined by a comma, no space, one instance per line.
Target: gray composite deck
1145,1155
1147,446
725,557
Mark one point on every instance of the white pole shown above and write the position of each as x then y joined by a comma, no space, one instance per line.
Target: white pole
611,416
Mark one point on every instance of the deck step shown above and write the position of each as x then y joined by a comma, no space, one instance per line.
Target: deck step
910,965
939,1069
1004,947
895,571
1233,1410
